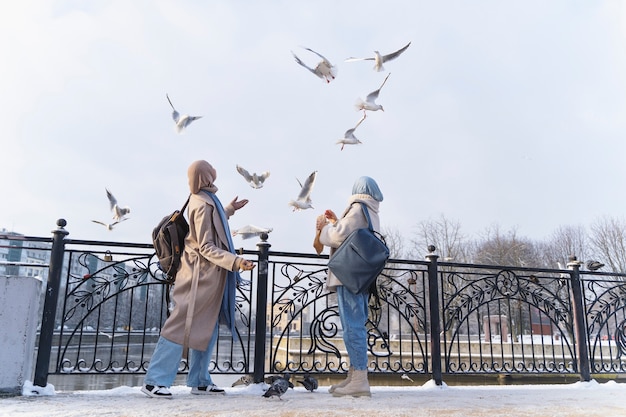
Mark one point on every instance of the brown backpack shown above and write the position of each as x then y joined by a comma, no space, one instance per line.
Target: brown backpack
168,238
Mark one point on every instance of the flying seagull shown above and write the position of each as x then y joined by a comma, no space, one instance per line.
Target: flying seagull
119,212
303,201
324,69
370,101
249,231
380,59
255,180
348,137
181,121
109,226
594,265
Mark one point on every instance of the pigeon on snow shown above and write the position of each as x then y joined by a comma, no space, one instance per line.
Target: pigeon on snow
370,101
119,213
324,69
109,226
278,387
303,201
309,382
244,380
348,137
249,231
255,180
181,121
380,59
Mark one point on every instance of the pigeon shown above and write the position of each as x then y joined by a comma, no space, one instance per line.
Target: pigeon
270,379
309,382
594,265
255,180
370,101
348,137
324,69
181,121
109,226
249,231
119,213
278,386
380,59
303,201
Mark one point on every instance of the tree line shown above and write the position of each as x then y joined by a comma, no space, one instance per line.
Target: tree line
603,241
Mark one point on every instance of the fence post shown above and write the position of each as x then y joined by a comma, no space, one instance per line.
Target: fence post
50,304
435,326
261,310
580,330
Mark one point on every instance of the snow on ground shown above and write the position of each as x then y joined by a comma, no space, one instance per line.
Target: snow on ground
587,399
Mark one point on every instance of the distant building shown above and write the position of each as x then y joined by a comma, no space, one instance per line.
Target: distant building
23,258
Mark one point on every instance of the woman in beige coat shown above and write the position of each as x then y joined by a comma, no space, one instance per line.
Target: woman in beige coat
204,291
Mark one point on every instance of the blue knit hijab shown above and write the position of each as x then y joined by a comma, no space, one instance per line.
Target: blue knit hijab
367,185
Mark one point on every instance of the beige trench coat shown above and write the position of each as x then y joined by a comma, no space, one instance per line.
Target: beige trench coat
206,254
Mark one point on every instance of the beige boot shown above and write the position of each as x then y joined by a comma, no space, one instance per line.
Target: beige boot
344,382
357,387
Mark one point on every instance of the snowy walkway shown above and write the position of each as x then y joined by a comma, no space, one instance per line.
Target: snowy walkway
572,400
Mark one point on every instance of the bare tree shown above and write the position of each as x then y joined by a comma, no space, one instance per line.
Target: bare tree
445,235
498,248
394,241
566,241
608,236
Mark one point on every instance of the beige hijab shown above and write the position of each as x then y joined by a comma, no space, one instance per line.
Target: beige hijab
201,176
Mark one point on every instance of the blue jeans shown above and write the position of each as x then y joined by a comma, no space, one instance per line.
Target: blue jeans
166,358
353,310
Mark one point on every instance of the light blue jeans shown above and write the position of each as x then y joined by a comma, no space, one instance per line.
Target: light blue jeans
353,310
166,358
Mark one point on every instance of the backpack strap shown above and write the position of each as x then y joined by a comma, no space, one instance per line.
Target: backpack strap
367,216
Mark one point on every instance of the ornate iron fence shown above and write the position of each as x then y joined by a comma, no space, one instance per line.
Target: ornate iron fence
432,318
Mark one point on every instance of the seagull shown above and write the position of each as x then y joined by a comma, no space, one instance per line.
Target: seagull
181,121
405,376
324,69
109,226
249,231
309,382
255,180
119,213
380,59
594,265
370,101
278,387
303,201
348,137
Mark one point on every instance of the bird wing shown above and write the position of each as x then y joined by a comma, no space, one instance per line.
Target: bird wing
175,114
264,175
244,173
96,221
299,61
320,55
396,54
353,59
307,187
112,199
359,122
371,97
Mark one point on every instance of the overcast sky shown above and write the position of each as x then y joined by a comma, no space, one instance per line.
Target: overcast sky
508,113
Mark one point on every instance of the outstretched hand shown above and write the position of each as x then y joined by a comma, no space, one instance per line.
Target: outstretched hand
237,204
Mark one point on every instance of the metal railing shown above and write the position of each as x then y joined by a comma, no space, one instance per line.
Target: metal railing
106,301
